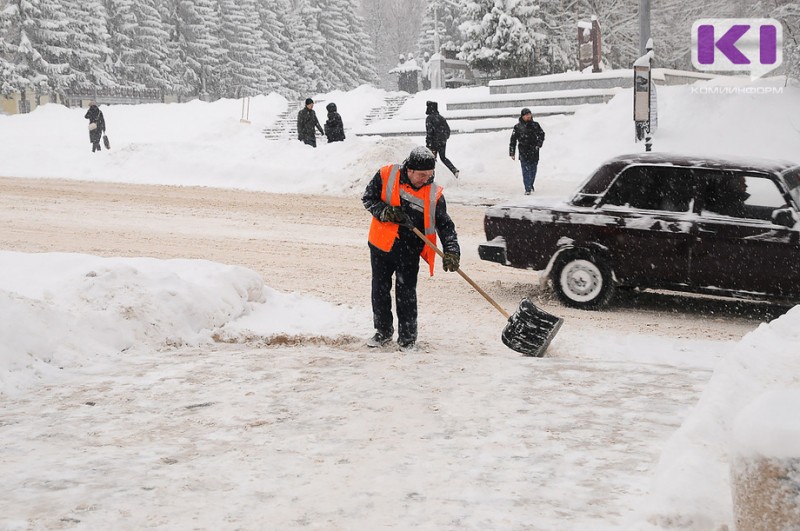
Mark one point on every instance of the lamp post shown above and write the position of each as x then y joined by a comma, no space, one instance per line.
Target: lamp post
644,25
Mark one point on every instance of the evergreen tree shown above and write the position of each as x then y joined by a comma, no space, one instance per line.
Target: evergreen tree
90,56
183,79
197,34
309,48
556,47
500,36
449,19
151,53
240,70
35,40
279,69
348,63
121,26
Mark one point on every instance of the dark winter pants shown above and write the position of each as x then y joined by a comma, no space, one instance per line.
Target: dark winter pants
405,267
440,150
529,168
95,146
311,141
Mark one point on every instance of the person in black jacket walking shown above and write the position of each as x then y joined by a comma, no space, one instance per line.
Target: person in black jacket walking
306,122
437,132
530,137
334,127
97,126
400,196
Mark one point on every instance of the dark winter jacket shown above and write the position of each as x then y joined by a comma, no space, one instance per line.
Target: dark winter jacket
436,129
306,121
445,227
95,116
530,137
334,127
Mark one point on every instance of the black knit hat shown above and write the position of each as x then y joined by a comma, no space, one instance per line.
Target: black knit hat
420,158
525,111
309,100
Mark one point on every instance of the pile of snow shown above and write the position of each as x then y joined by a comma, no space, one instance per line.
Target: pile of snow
64,311
691,488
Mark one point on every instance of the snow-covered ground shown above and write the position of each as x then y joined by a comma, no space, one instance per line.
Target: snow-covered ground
66,316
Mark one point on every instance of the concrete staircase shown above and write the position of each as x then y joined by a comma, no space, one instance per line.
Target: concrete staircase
387,111
285,127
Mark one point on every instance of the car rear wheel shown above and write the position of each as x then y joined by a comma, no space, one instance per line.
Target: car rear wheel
581,280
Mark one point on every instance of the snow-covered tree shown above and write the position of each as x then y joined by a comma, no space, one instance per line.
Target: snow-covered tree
309,47
500,35
350,62
240,29
35,35
139,40
197,34
332,48
121,26
556,47
90,55
150,53
277,63
449,17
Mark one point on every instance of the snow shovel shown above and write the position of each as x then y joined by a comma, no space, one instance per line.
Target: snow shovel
529,331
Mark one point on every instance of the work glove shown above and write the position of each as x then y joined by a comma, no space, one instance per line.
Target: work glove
394,214
450,262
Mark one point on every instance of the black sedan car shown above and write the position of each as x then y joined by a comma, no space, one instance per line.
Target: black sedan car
718,226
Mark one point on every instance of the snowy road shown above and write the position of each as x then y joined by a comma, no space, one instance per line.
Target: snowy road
465,435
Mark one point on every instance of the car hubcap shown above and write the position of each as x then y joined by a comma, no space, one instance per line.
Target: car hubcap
581,280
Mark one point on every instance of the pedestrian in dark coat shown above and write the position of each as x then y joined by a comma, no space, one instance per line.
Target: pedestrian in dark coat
306,122
437,132
530,137
97,126
408,194
334,127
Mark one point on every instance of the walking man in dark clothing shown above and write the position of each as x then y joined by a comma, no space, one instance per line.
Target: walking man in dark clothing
400,196
306,122
436,134
97,126
530,137
334,127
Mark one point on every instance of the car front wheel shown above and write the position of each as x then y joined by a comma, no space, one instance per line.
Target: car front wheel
582,281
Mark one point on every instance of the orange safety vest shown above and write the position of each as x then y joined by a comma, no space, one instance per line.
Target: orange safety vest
382,234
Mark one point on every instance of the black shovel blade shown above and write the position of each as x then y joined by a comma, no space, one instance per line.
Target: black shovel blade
530,330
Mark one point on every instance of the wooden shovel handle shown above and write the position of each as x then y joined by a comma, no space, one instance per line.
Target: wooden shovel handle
464,275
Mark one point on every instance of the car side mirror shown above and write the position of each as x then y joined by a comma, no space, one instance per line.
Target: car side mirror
784,217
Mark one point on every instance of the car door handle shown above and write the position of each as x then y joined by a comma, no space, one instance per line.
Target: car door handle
701,230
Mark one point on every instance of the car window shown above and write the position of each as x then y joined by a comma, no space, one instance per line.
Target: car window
668,188
792,181
741,195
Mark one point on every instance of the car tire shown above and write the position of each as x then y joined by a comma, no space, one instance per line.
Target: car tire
582,280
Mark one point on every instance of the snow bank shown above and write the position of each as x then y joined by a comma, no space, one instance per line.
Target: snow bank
62,311
691,487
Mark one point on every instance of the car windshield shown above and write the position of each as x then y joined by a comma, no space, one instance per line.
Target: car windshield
792,180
